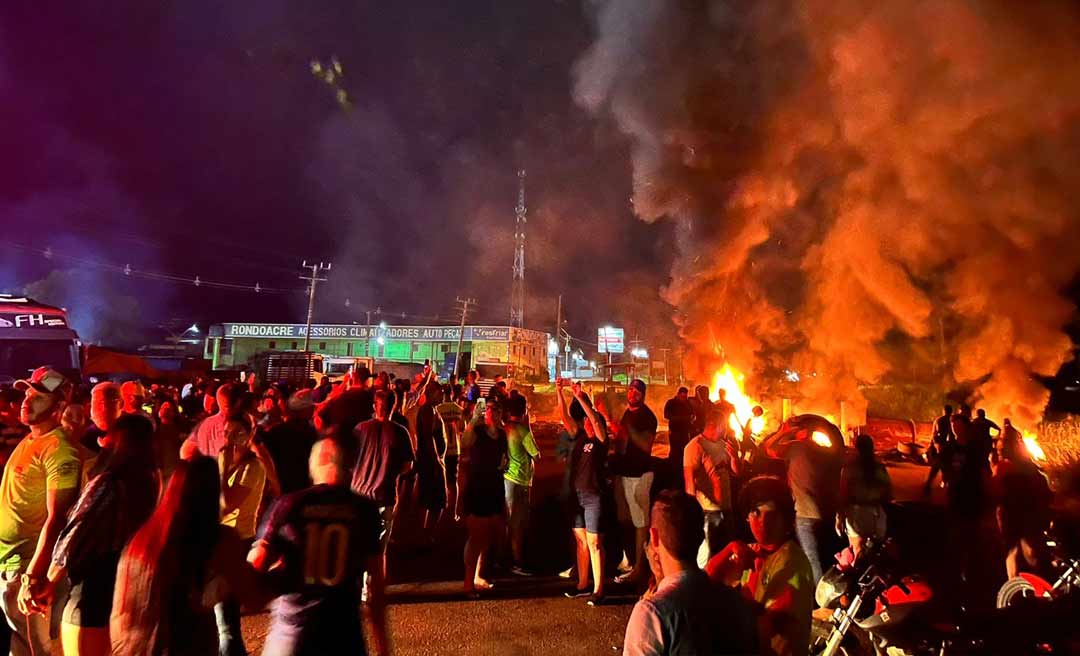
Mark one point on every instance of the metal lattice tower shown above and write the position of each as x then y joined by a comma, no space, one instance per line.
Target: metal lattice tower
517,294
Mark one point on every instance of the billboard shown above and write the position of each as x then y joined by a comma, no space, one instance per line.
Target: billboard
610,340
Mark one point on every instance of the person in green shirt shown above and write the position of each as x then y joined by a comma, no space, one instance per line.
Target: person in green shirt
519,476
40,484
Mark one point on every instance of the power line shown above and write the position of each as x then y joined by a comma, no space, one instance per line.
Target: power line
129,271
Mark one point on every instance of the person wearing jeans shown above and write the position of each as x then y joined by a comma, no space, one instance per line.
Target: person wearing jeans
243,477
709,460
522,452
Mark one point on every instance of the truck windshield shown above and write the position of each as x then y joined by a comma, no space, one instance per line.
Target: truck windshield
19,357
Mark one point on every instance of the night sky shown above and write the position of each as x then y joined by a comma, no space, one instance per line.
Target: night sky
192,139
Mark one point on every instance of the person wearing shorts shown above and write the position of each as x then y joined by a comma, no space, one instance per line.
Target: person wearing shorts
636,435
586,473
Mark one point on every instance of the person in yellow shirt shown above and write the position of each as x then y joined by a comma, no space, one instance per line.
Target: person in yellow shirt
772,572
39,485
243,478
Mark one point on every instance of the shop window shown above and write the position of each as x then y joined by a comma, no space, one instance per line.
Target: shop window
273,345
295,346
444,348
226,347
322,346
348,349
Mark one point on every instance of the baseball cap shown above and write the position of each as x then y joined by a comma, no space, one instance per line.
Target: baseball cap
638,384
301,401
44,379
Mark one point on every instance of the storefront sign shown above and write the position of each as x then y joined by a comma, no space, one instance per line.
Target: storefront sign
337,331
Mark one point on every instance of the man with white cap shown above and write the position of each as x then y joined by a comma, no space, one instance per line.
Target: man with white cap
40,483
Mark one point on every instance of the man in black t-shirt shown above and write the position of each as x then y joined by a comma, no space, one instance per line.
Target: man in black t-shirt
680,418
383,453
637,432
325,538
290,442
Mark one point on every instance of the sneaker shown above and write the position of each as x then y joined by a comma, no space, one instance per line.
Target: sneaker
578,594
595,600
567,573
627,577
520,571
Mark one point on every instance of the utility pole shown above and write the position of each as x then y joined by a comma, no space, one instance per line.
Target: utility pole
463,307
313,279
558,327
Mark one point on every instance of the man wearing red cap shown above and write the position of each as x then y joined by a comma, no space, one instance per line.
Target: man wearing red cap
40,483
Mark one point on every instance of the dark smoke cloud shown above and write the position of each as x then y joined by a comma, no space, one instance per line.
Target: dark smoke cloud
857,185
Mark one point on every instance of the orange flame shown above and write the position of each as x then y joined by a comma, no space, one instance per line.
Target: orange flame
1031,443
732,381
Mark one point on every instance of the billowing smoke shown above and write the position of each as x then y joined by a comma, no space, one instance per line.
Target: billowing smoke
98,312
861,190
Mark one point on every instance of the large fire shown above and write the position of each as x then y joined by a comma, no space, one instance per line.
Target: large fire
732,381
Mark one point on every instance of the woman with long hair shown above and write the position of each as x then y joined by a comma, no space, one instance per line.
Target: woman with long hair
110,509
176,568
865,488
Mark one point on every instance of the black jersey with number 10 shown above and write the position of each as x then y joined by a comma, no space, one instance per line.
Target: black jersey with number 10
324,536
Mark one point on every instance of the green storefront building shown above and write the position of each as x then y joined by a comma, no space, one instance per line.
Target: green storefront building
235,345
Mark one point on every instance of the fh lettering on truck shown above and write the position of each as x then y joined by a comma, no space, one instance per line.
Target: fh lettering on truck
33,320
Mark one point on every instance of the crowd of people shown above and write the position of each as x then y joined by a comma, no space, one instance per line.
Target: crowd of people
139,520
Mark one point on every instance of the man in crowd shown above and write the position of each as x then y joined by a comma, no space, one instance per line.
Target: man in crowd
39,486
290,442
106,408
680,419
940,447
452,418
347,408
383,453
522,450
317,612
773,572
134,395
430,473
724,406
813,475
687,614
208,437
709,463
982,442
636,434
701,406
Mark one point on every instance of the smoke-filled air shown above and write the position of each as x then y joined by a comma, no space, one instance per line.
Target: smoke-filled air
861,190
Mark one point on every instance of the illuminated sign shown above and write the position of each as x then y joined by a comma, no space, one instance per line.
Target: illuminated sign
338,331
610,340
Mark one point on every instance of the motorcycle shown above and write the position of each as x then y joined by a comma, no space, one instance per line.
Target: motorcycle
1028,586
869,601
879,611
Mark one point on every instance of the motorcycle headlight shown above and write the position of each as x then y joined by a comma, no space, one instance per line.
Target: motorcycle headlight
832,586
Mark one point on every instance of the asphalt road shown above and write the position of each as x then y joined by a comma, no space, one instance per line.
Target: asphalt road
521,616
